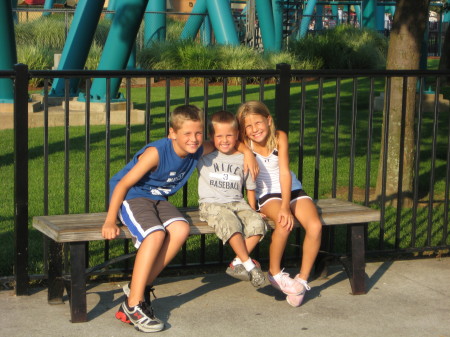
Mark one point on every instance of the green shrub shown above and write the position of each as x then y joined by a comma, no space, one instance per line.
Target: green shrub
94,56
344,47
36,58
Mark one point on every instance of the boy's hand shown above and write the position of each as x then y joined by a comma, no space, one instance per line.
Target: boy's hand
250,164
110,231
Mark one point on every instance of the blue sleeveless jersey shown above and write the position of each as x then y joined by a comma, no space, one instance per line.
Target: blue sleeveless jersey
170,175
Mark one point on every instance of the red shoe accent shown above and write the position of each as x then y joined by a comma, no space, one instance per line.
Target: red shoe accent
120,315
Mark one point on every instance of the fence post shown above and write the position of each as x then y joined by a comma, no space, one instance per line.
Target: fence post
21,179
282,97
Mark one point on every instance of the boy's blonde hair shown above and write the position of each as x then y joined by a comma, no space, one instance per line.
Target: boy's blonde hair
222,117
185,113
256,108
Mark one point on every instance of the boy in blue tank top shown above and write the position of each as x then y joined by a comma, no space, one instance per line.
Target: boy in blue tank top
139,197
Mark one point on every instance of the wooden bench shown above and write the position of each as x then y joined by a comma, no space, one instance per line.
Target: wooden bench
78,229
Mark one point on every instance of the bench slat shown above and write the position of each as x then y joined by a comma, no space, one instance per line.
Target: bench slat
87,227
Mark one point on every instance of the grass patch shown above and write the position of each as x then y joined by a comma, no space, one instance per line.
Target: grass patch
95,200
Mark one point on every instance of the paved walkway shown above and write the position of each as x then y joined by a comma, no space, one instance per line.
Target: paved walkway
405,298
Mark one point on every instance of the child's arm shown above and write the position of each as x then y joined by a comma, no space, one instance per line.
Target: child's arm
208,147
285,217
251,198
250,163
147,161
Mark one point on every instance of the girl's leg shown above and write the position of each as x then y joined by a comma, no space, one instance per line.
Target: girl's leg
279,237
306,213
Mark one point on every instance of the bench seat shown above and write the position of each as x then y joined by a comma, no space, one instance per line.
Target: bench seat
77,229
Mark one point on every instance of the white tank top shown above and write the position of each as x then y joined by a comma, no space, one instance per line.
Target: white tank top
268,180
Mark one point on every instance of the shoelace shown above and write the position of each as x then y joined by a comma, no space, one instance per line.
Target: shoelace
304,283
147,309
285,279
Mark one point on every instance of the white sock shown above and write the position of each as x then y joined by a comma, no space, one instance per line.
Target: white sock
248,265
236,261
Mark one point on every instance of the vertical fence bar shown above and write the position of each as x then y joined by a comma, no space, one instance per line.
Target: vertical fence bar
301,142
433,162
46,150
87,158
353,139
417,164
66,144
261,88
369,142
384,161
128,121
147,109
87,146
447,191
243,84
282,97
167,105
225,93
107,154
21,179
318,137
46,241
401,164
337,117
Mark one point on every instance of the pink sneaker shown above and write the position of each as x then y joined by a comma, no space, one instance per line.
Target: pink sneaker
286,284
296,300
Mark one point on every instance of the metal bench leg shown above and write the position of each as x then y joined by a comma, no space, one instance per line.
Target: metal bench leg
55,279
78,310
358,271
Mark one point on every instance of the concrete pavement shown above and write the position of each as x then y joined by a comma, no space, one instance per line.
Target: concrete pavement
404,298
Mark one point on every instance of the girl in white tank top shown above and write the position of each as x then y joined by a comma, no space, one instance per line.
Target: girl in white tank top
280,197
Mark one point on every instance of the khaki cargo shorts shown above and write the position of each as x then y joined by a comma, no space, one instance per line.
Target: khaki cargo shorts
232,217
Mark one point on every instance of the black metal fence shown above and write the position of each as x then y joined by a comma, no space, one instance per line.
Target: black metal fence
334,120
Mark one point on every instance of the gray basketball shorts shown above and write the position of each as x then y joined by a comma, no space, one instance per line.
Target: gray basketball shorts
143,216
232,217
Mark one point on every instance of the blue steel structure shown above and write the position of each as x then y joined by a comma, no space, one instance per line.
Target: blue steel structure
9,55
120,51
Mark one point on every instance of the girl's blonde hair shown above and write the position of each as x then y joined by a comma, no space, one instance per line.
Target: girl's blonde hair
256,108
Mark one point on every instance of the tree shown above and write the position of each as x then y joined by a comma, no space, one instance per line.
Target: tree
408,28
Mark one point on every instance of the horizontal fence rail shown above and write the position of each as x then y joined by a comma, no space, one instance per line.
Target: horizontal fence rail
62,164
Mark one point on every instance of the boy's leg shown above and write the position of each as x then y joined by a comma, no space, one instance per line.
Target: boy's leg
306,213
239,246
251,242
146,256
176,235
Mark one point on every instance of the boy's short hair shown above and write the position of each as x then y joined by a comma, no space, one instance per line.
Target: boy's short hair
185,113
224,117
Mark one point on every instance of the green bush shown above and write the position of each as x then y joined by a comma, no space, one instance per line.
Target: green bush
36,58
94,56
344,47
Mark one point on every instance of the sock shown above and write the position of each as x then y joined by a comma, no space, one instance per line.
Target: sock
249,265
236,261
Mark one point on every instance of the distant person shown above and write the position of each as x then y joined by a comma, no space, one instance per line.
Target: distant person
279,195
221,202
139,198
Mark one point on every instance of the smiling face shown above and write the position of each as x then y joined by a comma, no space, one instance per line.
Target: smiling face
257,128
225,137
188,138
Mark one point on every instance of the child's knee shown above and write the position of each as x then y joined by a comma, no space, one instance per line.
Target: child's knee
314,229
180,228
